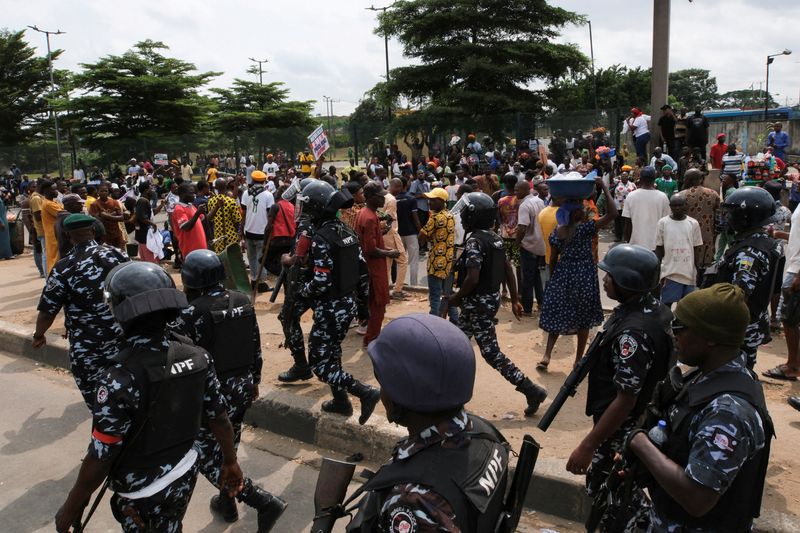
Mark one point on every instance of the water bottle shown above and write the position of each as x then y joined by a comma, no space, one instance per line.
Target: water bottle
658,434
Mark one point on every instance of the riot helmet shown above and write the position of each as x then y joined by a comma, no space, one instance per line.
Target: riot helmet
202,269
632,267
749,208
135,289
477,211
294,189
314,199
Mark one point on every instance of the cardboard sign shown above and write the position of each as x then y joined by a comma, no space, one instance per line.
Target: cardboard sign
318,142
160,160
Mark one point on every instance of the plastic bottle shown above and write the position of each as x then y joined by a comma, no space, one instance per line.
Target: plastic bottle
658,434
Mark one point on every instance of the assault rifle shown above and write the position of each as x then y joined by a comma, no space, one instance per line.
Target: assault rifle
278,284
570,386
512,508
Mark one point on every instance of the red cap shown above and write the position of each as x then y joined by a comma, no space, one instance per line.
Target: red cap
635,111
721,136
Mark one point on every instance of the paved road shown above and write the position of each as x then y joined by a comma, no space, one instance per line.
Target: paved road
44,430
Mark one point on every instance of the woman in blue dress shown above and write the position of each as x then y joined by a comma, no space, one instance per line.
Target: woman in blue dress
5,235
572,298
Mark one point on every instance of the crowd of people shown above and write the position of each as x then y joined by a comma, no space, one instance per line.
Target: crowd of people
345,244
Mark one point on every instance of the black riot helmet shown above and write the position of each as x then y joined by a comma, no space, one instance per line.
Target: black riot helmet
477,211
295,188
314,199
632,267
135,289
202,269
749,208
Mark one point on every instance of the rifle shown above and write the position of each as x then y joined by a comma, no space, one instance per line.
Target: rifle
512,508
278,284
334,478
570,386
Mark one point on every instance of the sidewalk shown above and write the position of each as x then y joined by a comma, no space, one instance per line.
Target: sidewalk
293,410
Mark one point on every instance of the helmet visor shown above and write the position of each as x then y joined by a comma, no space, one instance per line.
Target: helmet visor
460,205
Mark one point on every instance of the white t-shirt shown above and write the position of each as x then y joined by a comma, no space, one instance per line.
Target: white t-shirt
528,216
645,207
257,209
679,237
793,248
270,169
641,123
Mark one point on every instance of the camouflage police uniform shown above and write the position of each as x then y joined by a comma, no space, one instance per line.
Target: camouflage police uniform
237,390
477,318
76,284
332,317
725,434
294,305
115,408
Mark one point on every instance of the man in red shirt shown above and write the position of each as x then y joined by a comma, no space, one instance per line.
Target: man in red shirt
717,151
368,228
188,221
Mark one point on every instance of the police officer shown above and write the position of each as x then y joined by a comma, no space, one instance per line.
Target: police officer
339,270
426,368
147,411
709,473
482,268
223,323
634,354
752,261
76,284
298,274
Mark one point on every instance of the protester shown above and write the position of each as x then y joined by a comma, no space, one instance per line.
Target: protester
225,217
393,241
109,212
73,204
665,183
732,161
658,153
256,202
678,247
439,232
409,226
622,189
530,242
666,127
350,214
718,151
37,198
778,140
638,124
697,132
702,205
643,208
49,212
143,218
188,221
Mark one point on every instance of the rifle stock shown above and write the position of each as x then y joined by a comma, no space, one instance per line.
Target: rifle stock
574,379
334,478
278,284
512,509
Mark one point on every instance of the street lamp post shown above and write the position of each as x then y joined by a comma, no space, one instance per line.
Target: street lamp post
260,70
52,94
386,52
770,59
594,80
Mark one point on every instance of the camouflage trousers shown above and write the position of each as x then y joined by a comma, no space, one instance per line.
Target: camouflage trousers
636,515
332,319
754,337
293,308
238,392
87,363
162,512
477,318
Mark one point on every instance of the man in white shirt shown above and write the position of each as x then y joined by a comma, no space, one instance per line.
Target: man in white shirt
643,208
658,153
256,202
678,246
638,124
531,245
270,168
791,286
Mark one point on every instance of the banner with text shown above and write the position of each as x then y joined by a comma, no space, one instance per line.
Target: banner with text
318,142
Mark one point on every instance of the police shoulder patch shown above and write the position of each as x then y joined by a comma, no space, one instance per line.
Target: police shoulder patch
102,394
627,346
401,520
723,440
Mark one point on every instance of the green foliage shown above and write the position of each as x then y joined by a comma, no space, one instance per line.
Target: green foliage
617,86
745,99
475,61
694,87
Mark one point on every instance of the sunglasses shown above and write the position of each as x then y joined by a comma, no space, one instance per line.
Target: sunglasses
677,325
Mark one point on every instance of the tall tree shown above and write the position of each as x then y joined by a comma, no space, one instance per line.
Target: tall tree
475,61
745,99
694,87
139,95
617,87
24,84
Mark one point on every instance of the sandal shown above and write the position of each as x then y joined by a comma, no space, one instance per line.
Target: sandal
779,372
541,366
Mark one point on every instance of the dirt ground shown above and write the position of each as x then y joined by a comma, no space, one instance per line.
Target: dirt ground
494,398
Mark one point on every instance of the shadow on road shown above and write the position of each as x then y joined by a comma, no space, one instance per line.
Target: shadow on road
37,507
37,432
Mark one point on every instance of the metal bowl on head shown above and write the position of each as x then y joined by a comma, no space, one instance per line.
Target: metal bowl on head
572,185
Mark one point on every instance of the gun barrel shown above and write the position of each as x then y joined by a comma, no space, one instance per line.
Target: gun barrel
555,407
278,284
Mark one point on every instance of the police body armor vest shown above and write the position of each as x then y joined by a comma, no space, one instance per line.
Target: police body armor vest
172,387
601,378
228,323
472,480
344,251
758,301
742,501
493,269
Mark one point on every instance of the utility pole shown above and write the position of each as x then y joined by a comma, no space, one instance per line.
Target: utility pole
329,114
594,80
660,81
770,59
386,52
260,69
52,93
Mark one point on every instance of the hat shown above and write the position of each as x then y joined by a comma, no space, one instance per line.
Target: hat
718,313
174,162
721,136
666,106
78,221
439,193
666,167
257,175
72,197
627,168
373,187
270,155
635,111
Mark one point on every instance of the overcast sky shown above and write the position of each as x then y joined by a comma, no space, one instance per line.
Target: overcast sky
327,47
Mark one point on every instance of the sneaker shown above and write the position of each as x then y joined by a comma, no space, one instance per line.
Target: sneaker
361,330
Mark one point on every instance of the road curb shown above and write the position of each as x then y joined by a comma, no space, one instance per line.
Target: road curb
298,417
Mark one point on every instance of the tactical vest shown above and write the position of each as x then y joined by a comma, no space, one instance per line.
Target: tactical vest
228,323
493,268
472,480
344,251
601,378
742,501
758,301
172,387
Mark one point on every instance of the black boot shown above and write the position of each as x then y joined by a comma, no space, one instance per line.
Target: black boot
369,396
225,506
296,373
340,404
269,507
534,394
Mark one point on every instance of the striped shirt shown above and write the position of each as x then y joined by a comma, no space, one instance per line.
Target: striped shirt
732,164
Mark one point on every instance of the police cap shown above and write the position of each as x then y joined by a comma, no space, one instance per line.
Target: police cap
78,221
424,363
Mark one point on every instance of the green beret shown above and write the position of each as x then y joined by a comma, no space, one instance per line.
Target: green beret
718,313
77,221
667,167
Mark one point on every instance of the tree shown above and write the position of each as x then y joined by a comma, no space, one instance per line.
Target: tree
24,83
617,87
475,61
745,99
693,87
139,95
